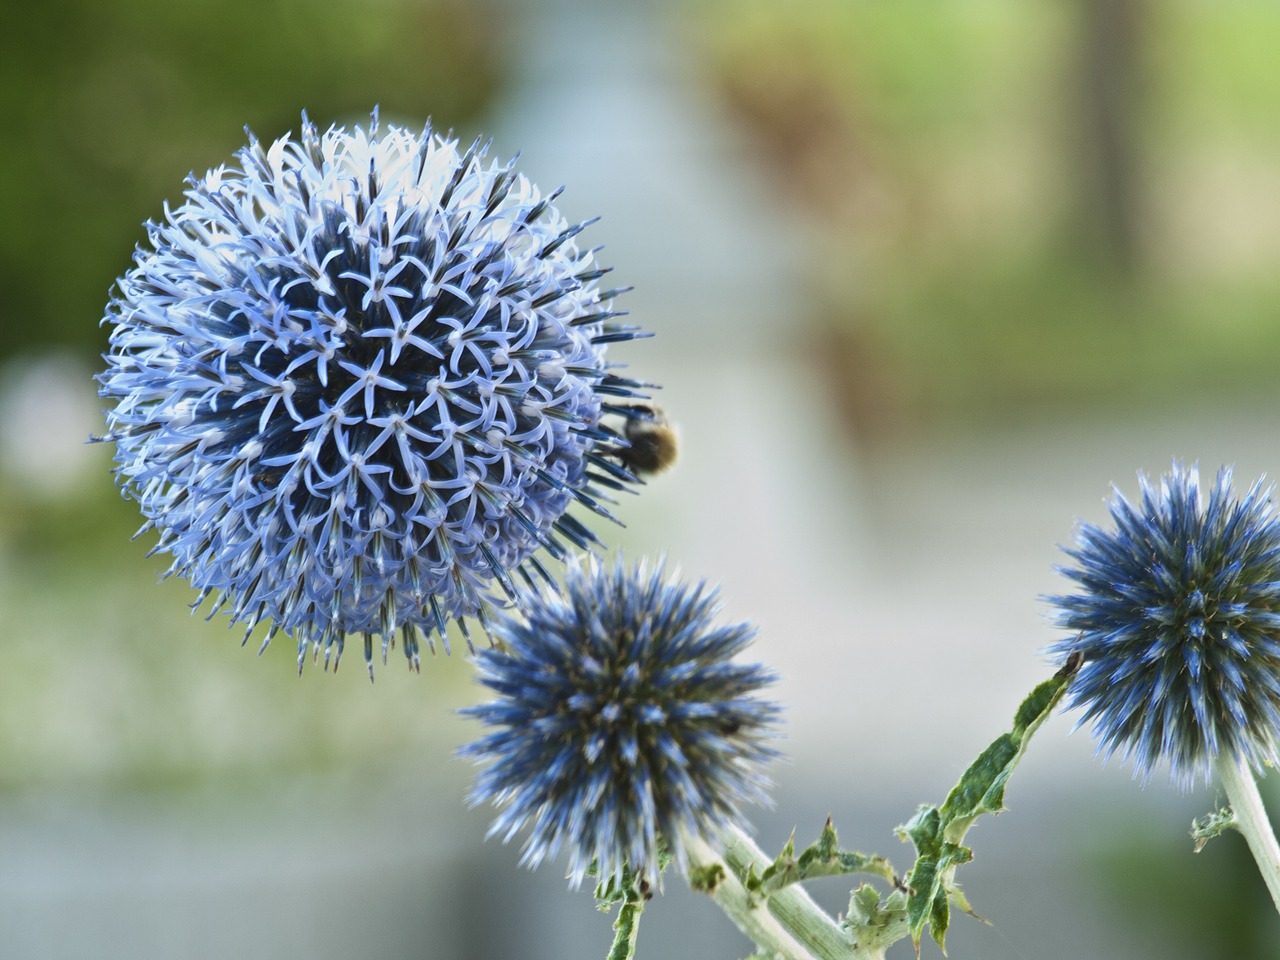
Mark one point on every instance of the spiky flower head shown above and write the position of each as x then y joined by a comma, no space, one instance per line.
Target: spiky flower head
1178,625
619,720
359,377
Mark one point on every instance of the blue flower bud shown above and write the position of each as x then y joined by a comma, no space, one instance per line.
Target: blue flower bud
1178,624
619,721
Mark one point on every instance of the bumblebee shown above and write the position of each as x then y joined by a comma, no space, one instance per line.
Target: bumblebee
654,444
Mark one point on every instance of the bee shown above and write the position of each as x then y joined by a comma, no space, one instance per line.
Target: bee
654,443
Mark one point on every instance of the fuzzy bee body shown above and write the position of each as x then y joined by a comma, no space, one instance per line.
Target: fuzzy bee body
654,445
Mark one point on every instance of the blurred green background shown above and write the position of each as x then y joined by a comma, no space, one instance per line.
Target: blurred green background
1031,204
108,106
975,260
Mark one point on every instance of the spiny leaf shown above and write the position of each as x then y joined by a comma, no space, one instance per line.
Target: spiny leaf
613,890
864,905
610,892
1204,829
961,902
873,924
822,858
937,832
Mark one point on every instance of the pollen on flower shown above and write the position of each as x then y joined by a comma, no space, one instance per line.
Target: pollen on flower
328,400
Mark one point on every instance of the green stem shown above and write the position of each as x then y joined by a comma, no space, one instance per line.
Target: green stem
626,928
1251,819
788,923
733,898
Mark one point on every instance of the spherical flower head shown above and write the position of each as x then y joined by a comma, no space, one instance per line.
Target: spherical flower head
1177,624
620,720
358,379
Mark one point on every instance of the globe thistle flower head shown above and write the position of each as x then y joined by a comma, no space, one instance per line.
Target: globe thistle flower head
620,721
359,378
1177,621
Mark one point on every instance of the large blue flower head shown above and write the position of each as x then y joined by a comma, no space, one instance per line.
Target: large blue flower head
1177,623
619,720
359,378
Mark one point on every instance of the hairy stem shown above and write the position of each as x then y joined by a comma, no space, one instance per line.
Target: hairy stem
1251,819
734,899
788,922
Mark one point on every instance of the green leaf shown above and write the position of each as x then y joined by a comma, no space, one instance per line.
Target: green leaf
874,925
609,893
937,832
961,902
822,858
1204,829
864,906
632,893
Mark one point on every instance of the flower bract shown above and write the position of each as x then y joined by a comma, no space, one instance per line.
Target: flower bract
1177,621
358,379
620,722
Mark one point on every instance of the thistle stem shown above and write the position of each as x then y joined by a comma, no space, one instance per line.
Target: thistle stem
626,927
788,922
1238,781
732,897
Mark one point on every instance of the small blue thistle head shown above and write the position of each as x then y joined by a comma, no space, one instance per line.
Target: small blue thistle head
1177,625
358,378
620,721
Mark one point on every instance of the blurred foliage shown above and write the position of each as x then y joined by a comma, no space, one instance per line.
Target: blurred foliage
960,162
1145,877
106,107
